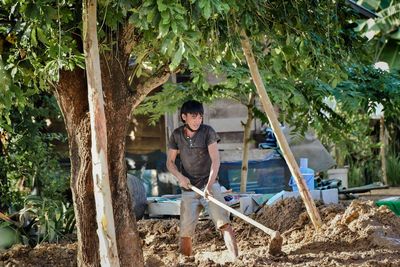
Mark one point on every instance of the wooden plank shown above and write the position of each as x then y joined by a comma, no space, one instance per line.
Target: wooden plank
108,252
275,125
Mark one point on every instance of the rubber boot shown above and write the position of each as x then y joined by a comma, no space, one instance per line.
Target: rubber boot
230,240
186,246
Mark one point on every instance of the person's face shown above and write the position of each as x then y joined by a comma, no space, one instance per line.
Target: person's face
193,120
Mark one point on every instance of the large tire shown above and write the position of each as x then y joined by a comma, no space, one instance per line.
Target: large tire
138,196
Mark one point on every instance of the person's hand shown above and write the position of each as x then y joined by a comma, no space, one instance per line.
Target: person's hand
184,182
208,191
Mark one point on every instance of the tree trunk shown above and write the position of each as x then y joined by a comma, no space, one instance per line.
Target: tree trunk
120,99
71,93
101,182
246,144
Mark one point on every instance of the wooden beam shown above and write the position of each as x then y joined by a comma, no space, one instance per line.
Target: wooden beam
382,139
283,144
104,210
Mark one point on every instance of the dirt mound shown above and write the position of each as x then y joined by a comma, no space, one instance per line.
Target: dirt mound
42,255
360,234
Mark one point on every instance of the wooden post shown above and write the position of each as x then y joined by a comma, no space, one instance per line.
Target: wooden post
382,137
101,183
246,144
283,144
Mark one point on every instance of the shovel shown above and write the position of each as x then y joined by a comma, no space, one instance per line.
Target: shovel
275,246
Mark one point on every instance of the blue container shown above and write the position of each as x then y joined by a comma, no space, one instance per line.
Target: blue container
307,173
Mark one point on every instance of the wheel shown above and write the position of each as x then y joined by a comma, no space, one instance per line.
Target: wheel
138,195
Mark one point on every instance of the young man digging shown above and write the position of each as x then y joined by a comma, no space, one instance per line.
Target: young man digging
196,144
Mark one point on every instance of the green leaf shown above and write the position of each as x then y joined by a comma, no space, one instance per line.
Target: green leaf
205,5
334,83
134,18
139,71
391,54
371,4
42,36
163,30
165,17
34,41
161,6
396,35
151,15
14,71
277,63
51,13
169,40
174,27
32,11
176,60
171,46
289,50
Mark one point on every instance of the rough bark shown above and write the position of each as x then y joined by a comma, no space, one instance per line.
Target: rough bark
118,109
71,94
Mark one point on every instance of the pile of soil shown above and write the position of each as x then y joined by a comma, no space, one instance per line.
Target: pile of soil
359,234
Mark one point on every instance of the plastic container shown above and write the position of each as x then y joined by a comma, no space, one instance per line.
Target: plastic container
307,173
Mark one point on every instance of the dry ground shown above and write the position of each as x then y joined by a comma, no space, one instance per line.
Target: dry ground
354,233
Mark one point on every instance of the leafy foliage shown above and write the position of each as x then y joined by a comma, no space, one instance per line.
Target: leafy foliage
41,220
393,168
368,86
383,31
28,162
46,219
32,182
301,61
357,142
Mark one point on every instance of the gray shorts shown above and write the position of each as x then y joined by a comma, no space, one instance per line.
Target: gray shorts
191,205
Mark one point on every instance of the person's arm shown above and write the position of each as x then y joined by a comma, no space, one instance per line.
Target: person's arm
171,166
215,162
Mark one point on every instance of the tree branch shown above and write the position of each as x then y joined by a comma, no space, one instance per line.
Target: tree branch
144,88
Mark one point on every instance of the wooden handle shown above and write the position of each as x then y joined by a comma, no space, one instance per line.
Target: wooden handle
267,230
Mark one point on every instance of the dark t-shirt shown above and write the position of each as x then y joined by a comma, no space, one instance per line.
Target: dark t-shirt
194,155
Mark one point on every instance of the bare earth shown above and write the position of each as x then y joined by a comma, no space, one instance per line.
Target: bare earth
354,233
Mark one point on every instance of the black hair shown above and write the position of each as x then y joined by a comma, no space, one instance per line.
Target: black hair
192,107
